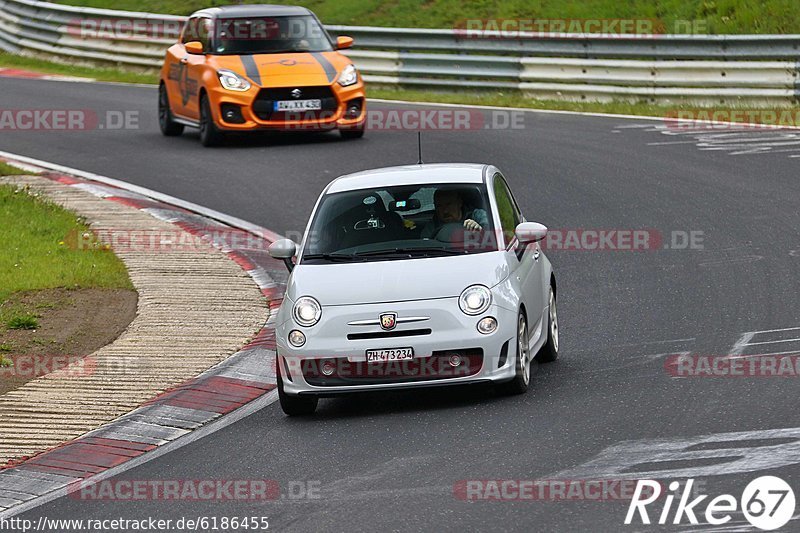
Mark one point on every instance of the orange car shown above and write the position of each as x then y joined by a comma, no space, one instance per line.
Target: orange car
259,67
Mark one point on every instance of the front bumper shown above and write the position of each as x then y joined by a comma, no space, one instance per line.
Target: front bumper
333,343
252,109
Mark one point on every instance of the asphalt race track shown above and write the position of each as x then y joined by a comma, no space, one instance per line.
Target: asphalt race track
391,461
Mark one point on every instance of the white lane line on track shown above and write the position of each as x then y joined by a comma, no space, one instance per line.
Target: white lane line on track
655,356
741,344
475,106
778,330
752,355
714,454
745,341
772,342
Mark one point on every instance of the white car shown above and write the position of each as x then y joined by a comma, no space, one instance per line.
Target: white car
413,276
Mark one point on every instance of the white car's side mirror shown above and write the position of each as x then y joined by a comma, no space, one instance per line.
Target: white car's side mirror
529,232
284,250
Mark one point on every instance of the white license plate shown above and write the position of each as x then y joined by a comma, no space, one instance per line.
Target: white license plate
390,354
298,105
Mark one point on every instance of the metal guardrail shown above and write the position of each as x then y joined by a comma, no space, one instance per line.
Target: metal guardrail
705,69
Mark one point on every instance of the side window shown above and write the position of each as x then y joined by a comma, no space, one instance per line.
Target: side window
190,31
204,32
510,216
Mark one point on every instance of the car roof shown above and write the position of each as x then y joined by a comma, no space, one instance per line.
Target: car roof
409,175
253,10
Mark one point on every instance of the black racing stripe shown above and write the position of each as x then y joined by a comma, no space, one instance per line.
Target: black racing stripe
251,69
330,70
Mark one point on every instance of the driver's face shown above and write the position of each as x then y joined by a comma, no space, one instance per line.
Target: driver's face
448,207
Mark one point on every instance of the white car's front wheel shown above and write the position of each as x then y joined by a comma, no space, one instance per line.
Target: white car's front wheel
295,405
549,351
522,367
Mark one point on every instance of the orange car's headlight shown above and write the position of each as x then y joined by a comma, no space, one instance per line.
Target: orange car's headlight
349,76
232,81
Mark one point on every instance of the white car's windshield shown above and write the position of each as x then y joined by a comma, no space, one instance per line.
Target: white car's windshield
400,223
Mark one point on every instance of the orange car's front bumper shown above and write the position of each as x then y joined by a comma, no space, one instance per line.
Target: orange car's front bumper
343,108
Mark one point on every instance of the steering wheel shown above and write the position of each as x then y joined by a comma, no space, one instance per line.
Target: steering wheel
450,232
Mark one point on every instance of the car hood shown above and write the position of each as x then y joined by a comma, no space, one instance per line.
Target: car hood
286,70
396,281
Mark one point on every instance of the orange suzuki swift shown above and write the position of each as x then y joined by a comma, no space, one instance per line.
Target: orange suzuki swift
259,67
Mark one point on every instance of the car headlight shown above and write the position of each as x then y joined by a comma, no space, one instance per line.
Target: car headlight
306,311
475,300
232,81
349,75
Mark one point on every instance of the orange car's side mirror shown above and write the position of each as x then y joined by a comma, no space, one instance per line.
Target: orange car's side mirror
343,41
194,47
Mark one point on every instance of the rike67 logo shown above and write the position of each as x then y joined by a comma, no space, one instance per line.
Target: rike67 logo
767,503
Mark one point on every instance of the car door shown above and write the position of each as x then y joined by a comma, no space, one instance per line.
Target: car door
195,65
182,81
178,60
526,259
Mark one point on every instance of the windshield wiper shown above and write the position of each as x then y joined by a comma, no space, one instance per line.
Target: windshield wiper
412,250
332,257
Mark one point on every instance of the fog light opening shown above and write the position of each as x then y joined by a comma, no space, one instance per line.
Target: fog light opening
487,325
297,338
353,109
327,367
232,114
455,360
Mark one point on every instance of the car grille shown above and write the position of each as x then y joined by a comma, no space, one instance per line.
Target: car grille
264,103
388,334
432,368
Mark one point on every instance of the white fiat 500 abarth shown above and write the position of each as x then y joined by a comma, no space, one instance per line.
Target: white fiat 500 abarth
413,276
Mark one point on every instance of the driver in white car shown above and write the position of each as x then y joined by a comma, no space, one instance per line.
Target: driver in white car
450,209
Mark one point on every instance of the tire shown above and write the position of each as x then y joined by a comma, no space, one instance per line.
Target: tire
210,135
169,128
549,351
354,133
296,405
522,365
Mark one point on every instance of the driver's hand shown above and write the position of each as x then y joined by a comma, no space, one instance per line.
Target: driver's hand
471,225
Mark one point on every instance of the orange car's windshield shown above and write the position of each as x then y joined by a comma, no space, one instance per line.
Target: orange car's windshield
270,35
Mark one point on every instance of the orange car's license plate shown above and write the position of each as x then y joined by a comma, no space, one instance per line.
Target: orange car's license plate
298,105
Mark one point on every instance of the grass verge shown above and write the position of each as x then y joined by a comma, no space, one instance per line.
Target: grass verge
36,263
66,69
8,170
35,255
714,16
